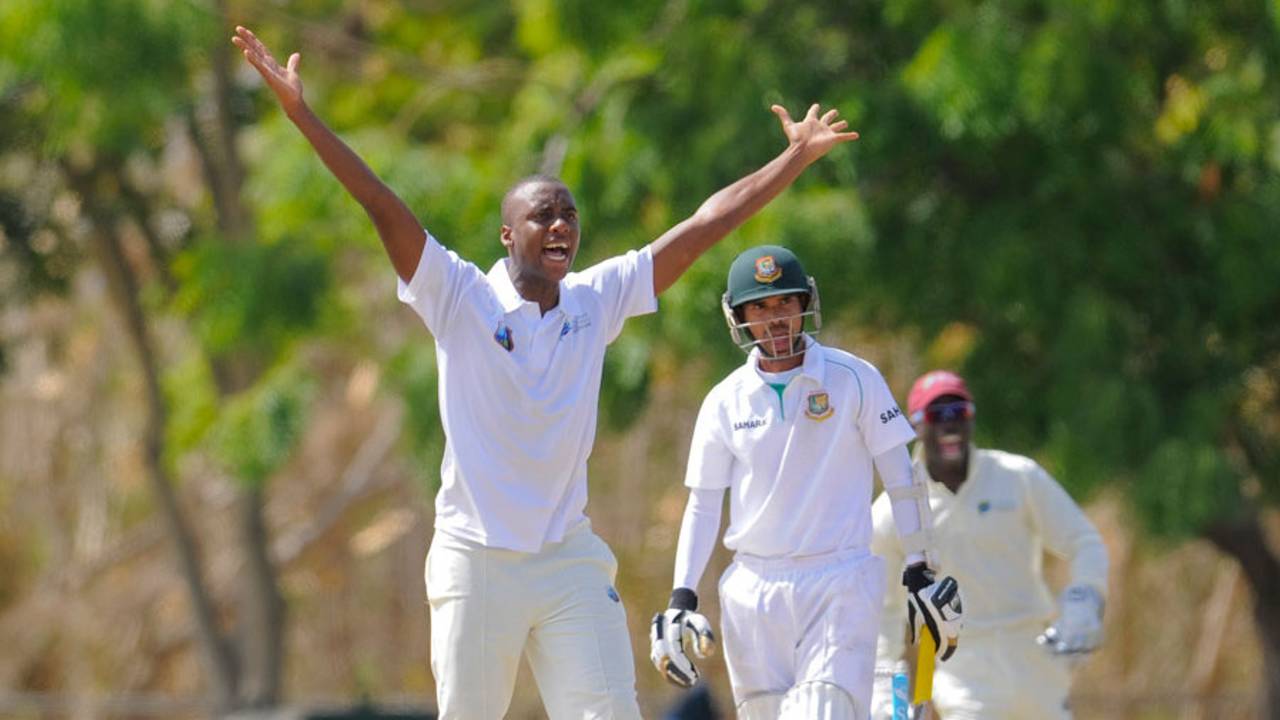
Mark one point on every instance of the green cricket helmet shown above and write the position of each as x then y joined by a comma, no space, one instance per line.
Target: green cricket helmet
761,272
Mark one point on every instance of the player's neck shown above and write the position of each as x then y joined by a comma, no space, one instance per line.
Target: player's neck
950,474
777,365
536,289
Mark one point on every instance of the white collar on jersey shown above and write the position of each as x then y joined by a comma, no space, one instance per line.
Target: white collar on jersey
814,366
500,281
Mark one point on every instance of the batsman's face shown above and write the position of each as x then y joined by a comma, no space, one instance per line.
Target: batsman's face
775,323
541,236
947,433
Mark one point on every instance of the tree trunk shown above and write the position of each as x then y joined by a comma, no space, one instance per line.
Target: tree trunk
261,611
1243,539
262,621
123,286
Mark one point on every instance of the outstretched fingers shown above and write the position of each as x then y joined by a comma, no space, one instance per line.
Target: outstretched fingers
837,127
254,51
782,114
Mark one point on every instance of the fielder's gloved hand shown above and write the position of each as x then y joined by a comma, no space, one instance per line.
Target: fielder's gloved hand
667,638
1078,629
933,607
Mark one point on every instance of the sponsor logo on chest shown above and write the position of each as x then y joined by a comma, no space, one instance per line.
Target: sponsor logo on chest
575,324
750,423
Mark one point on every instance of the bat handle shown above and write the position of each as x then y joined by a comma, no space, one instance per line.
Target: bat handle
925,655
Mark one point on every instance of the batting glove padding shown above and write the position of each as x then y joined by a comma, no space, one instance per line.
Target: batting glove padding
934,607
667,637
1078,629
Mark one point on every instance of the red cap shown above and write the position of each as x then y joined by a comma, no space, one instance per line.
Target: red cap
930,387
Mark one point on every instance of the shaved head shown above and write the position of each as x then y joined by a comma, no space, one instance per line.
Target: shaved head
521,184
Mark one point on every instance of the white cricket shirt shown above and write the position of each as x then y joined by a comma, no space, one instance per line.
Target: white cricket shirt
519,390
991,536
797,463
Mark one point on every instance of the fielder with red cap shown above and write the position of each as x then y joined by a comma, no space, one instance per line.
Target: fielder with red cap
995,514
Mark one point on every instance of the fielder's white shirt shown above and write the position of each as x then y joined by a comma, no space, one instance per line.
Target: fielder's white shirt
991,536
798,464
519,390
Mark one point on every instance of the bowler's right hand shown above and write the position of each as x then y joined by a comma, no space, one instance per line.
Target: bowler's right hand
285,81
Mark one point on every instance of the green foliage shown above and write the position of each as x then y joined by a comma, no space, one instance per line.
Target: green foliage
192,398
411,377
104,74
626,381
253,297
257,430
1185,486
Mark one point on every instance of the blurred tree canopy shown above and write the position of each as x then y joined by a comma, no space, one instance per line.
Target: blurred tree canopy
1074,202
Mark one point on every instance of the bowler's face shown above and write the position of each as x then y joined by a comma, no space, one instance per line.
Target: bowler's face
542,239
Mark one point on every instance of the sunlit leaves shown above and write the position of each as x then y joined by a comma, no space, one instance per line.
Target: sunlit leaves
257,430
102,73
251,296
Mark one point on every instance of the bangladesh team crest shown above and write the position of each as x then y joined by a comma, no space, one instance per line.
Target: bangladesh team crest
818,406
767,270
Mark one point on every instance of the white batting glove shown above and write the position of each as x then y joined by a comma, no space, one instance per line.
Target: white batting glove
667,637
1078,629
934,606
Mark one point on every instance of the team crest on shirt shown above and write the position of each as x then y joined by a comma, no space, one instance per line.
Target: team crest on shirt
502,336
818,406
767,270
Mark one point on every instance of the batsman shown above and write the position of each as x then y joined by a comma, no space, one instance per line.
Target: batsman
792,436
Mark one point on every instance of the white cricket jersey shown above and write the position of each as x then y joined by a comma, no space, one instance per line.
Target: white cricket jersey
991,536
519,390
797,461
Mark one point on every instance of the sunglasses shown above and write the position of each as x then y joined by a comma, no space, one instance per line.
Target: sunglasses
946,412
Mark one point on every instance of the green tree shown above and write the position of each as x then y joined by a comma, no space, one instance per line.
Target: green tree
92,87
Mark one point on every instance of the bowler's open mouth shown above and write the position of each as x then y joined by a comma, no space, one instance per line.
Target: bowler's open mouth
557,252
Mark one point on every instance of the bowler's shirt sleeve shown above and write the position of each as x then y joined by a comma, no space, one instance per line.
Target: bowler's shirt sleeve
883,424
1066,531
437,286
710,457
625,286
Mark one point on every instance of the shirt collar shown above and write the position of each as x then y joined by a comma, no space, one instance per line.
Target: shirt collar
814,365
511,300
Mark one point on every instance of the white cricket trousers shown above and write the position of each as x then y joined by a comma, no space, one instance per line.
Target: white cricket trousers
789,622
557,606
1002,675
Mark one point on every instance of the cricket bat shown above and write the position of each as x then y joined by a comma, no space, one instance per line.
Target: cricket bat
925,654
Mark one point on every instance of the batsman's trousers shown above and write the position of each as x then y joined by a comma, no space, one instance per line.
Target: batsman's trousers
789,621
557,606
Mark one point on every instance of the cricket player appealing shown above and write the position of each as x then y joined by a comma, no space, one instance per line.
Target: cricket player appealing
514,566
995,513
792,436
